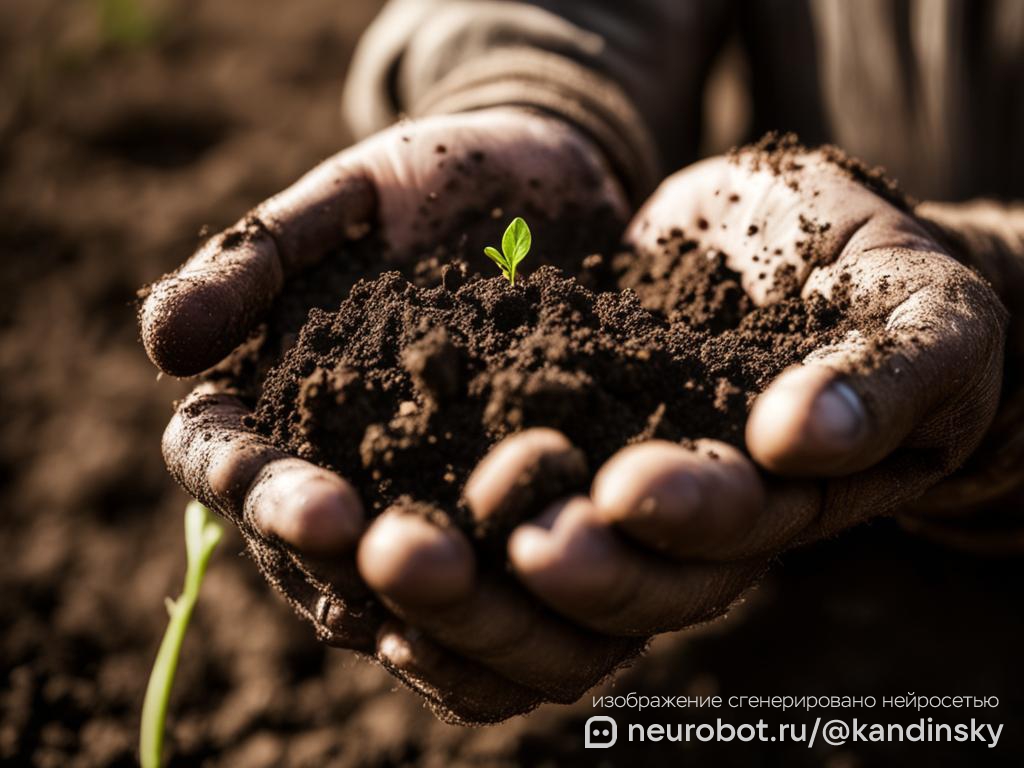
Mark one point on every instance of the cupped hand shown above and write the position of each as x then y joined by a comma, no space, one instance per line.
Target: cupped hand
416,185
474,646
671,535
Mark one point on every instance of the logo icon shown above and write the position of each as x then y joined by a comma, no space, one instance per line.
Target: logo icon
601,732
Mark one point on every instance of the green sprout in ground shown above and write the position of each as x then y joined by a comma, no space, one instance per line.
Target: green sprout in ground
202,532
515,244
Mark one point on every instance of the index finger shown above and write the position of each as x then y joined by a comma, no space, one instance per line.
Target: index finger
300,522
196,315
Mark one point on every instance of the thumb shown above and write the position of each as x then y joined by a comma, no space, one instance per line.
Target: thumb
193,317
929,378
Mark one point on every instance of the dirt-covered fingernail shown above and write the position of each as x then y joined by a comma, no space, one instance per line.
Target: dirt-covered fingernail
809,421
838,418
193,318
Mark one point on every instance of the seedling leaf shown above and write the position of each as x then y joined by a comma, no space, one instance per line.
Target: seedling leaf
515,244
516,241
202,532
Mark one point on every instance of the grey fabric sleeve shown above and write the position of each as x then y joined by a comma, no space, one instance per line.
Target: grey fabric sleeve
981,507
630,74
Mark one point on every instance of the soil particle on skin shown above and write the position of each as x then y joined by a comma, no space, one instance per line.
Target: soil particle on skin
404,388
779,153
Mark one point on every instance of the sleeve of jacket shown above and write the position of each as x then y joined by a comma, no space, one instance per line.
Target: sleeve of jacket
630,74
981,507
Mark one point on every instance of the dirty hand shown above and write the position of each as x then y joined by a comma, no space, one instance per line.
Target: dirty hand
416,185
670,536
483,658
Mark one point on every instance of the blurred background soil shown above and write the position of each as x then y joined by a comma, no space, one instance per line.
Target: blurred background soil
126,129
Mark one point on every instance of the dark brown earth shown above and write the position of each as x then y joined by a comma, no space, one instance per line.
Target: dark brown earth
403,389
114,153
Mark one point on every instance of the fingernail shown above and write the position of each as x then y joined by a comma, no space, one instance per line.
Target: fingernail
395,649
839,416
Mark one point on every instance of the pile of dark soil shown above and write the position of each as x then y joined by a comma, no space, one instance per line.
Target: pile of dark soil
402,389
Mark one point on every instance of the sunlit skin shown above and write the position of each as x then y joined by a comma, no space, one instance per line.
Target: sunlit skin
667,535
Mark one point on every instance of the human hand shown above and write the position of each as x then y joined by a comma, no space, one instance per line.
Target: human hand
670,536
303,523
415,185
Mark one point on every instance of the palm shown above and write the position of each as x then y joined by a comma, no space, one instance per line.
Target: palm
917,375
916,319
441,183
456,182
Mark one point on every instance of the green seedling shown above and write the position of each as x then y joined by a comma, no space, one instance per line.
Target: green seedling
515,244
202,532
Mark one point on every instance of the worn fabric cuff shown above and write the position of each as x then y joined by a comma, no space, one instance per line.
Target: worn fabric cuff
561,87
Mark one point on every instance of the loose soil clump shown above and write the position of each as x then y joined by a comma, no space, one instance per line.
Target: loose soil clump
402,389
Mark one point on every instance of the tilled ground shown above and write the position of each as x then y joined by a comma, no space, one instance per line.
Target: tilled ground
116,148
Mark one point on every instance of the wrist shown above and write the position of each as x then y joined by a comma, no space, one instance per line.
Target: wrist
988,236
554,86
979,505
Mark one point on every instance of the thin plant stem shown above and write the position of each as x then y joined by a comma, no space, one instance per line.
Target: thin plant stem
202,532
